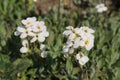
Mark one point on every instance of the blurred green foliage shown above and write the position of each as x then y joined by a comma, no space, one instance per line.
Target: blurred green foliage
104,61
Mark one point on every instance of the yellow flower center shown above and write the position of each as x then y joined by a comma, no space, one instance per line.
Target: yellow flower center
73,31
86,42
27,31
86,31
38,27
28,23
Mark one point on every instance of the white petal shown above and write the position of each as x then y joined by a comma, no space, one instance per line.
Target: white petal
20,29
78,56
31,34
41,39
67,32
25,43
42,46
46,34
65,49
105,8
81,43
69,44
23,35
29,20
17,33
71,37
100,10
77,30
33,39
23,22
89,46
71,50
83,60
76,42
23,49
69,27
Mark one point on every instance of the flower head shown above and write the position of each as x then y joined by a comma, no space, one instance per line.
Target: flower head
31,31
82,58
86,30
87,42
25,46
39,36
78,38
27,22
68,49
101,8
38,26
23,32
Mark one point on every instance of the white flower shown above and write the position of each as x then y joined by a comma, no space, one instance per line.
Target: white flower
44,54
86,30
25,47
40,36
67,46
24,32
32,31
70,30
82,58
38,26
101,8
72,33
68,49
27,22
87,42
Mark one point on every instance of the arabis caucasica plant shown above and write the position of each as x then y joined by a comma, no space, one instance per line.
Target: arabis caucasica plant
32,31
101,8
78,38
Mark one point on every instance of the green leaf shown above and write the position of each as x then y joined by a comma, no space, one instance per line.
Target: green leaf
69,66
118,73
23,78
75,71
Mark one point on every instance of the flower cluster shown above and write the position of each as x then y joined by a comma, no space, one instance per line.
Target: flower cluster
78,38
30,32
101,8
